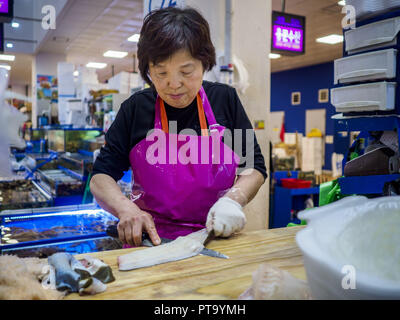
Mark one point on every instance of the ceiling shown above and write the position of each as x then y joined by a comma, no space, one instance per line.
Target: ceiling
87,28
323,17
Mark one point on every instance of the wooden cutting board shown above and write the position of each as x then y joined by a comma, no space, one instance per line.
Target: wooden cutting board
203,277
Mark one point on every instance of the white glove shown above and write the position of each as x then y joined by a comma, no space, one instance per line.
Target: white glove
225,217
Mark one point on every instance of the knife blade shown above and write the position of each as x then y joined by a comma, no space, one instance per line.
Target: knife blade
112,231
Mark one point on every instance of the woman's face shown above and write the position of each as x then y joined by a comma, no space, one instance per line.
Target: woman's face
177,79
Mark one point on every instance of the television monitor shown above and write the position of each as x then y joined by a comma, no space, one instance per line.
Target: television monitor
288,33
6,10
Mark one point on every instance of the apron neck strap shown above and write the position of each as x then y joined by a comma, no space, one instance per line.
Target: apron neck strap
203,108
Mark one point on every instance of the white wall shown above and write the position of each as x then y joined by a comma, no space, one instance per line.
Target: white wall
20,89
251,30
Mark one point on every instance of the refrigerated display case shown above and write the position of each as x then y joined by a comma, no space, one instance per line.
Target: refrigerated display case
59,183
20,194
70,140
42,232
77,162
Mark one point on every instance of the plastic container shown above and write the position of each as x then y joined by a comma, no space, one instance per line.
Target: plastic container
372,36
376,96
292,183
350,248
368,66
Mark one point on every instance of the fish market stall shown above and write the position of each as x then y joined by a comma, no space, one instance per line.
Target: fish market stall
203,277
44,231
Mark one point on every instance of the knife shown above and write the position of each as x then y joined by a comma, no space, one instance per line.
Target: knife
112,231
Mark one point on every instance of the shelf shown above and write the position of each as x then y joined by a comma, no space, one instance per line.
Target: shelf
286,200
365,184
366,123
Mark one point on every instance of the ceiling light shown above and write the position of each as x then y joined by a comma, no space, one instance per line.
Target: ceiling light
274,55
15,24
115,54
134,38
9,45
76,73
97,65
331,39
5,66
7,57
342,3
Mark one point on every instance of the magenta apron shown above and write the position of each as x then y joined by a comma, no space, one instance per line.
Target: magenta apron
177,178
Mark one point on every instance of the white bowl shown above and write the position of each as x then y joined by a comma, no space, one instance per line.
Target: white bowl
351,248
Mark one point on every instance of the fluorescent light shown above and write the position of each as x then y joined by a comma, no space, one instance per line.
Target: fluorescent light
274,55
342,3
97,65
134,38
9,45
331,39
5,66
76,73
15,25
115,54
7,57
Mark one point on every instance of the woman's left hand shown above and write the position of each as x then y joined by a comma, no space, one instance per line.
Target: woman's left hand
225,217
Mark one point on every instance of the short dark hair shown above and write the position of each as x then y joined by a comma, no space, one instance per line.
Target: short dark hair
168,30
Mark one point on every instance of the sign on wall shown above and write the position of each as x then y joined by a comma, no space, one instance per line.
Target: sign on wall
288,33
150,5
47,87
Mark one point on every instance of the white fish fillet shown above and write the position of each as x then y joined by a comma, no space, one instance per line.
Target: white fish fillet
181,248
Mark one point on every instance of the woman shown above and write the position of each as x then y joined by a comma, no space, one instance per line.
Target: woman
177,197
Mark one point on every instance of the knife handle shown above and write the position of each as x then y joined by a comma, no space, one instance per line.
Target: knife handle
112,231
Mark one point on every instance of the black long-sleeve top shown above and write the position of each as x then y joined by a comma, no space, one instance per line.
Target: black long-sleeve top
136,118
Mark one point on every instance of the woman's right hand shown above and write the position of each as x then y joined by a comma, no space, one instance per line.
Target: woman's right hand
131,225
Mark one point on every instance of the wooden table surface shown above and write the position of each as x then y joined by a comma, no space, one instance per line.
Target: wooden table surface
202,277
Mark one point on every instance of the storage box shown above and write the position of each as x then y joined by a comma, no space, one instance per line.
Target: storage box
377,96
312,155
372,36
292,183
368,66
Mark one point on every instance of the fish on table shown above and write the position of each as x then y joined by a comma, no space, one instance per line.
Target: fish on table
174,250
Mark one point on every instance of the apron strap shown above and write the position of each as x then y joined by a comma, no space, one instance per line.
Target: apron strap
202,118
207,107
164,119
203,108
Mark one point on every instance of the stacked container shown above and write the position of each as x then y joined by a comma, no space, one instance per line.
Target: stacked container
366,84
366,78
